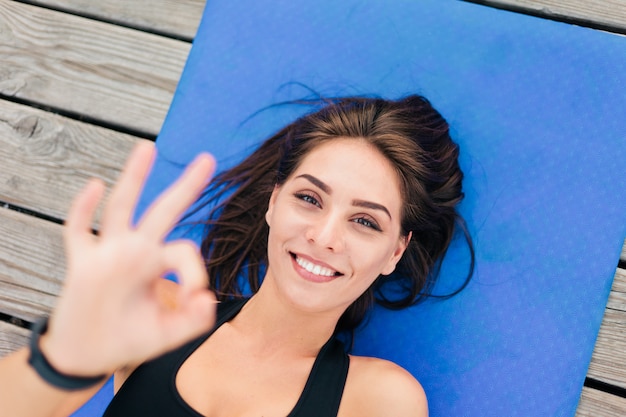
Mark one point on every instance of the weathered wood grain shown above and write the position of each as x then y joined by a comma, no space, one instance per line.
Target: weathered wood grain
604,13
617,299
124,77
47,158
11,338
608,363
101,71
31,264
178,18
594,403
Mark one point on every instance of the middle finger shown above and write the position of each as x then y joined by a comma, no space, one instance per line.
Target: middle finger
163,214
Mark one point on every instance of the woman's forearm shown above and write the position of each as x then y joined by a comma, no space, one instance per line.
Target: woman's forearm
24,393
109,313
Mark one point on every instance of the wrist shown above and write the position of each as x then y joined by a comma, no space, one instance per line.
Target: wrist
48,372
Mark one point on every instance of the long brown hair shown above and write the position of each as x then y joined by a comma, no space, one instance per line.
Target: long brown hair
409,132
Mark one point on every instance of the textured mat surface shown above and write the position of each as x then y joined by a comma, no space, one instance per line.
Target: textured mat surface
539,110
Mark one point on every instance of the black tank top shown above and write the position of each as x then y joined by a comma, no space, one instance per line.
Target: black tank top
151,389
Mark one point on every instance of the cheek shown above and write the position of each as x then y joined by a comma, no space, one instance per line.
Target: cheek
283,224
372,260
287,215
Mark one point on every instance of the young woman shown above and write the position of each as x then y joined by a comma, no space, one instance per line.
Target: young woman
344,207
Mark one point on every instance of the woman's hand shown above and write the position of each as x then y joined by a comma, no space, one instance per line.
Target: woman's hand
109,313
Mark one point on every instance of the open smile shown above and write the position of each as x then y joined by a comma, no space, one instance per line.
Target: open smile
314,270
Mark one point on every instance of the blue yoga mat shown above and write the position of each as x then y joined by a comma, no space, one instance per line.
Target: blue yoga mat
539,110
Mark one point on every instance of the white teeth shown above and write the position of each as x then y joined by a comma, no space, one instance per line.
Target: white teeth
315,269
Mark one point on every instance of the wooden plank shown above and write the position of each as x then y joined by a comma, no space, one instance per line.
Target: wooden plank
617,299
178,18
11,338
47,158
31,265
594,403
29,239
606,13
608,363
107,73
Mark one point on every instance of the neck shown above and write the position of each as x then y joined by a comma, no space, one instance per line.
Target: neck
274,324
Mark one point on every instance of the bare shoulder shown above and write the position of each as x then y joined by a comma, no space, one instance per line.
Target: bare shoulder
376,388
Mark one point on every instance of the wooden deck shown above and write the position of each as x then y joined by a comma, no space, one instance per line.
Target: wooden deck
81,81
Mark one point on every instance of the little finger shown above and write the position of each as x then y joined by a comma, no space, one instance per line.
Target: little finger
81,213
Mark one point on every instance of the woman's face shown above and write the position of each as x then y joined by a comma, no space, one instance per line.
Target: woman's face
334,226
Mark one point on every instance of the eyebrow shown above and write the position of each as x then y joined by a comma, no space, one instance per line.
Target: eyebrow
317,182
371,205
359,203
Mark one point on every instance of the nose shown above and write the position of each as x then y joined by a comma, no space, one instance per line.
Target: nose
327,232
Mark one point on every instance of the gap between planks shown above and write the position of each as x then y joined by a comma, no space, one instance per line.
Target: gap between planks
31,272
32,265
608,363
108,73
608,15
591,395
12,338
48,158
594,403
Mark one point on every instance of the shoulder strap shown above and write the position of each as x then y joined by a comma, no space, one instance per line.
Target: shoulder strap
324,388
151,389
226,310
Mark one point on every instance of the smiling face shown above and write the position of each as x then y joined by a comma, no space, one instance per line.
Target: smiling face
334,226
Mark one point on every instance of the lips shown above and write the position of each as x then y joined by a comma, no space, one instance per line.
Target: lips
324,272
